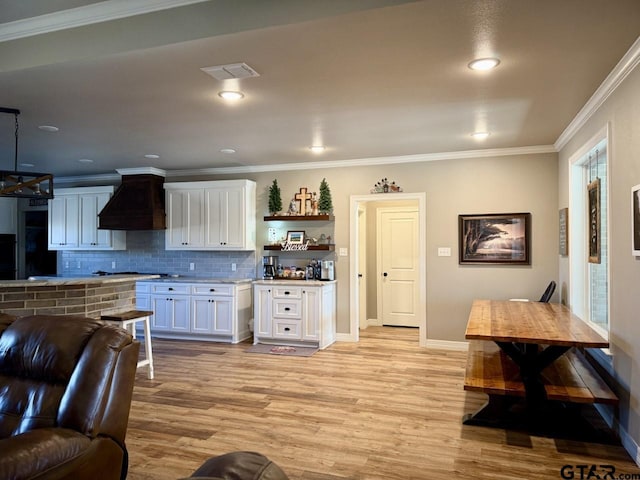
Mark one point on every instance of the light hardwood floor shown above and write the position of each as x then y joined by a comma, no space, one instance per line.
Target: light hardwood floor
383,408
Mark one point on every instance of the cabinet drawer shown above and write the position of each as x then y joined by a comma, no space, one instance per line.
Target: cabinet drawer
211,289
143,288
287,329
174,288
287,292
287,308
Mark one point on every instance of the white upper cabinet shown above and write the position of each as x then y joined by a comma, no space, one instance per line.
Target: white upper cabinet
217,215
185,219
73,220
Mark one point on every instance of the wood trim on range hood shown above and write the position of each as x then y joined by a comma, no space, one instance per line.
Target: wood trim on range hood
138,203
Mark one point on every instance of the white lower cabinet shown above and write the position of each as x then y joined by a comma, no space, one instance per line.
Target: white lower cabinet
295,313
198,311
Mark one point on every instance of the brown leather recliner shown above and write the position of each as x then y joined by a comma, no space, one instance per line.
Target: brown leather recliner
65,394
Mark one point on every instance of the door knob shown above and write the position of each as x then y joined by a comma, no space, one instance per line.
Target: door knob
384,274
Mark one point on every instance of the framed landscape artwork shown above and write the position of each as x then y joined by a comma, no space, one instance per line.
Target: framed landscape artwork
635,220
495,239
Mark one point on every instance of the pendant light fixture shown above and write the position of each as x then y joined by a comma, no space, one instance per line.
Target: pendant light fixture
23,184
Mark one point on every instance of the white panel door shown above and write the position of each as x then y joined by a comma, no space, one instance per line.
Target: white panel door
398,266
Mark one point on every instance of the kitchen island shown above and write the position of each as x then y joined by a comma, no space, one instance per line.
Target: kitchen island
88,296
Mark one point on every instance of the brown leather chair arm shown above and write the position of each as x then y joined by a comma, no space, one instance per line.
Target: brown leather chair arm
31,453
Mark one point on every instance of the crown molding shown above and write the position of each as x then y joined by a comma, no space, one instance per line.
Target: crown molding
360,162
86,15
624,67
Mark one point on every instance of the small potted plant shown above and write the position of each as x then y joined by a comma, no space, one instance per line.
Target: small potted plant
275,201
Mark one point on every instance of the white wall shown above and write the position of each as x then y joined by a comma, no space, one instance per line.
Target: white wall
622,111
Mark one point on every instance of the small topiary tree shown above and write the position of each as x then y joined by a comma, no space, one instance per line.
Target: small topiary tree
325,205
275,201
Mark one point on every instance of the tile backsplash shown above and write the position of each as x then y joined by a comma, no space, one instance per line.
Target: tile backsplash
145,253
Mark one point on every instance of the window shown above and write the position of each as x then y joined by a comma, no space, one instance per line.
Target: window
589,295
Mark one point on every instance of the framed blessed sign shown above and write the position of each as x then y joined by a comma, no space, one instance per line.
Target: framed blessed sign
495,238
593,192
635,220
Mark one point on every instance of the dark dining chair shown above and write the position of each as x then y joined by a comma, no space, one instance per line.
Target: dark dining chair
546,296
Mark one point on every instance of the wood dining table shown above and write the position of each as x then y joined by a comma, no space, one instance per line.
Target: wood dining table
533,336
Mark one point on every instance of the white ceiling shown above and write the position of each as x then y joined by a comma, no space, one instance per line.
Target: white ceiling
366,78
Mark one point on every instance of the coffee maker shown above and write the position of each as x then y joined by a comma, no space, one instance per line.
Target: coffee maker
269,265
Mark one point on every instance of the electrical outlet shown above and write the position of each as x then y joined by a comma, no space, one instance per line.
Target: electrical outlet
113,265
78,264
272,235
66,265
233,267
343,252
444,252
192,266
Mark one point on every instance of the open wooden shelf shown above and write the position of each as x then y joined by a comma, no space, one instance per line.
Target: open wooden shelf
299,218
326,248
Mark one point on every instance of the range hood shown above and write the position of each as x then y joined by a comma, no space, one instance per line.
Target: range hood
138,203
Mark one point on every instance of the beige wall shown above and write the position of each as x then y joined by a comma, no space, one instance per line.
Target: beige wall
622,111
524,183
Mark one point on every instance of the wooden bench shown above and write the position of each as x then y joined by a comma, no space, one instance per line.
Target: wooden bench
569,379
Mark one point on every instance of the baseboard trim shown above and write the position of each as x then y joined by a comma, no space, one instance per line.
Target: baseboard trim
448,345
345,337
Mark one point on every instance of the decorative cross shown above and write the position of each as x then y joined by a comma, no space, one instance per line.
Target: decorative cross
302,197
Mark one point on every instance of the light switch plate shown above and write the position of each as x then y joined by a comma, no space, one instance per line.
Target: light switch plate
343,252
444,252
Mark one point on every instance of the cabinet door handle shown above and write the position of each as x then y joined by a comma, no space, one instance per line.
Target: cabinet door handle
170,289
287,309
286,329
287,293
212,289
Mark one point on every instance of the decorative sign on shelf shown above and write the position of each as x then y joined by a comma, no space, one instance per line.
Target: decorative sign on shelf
290,247
384,186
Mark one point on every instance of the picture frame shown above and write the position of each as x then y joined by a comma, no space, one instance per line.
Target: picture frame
563,233
635,220
503,238
295,237
593,205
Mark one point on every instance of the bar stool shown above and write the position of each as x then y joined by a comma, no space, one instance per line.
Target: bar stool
127,320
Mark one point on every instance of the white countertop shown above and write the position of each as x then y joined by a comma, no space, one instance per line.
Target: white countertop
201,280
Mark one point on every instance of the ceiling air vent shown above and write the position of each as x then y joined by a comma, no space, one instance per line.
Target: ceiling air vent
230,71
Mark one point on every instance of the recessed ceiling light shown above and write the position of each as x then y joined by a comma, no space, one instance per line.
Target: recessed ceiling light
480,135
151,155
227,150
484,64
27,165
48,128
317,148
85,160
231,95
